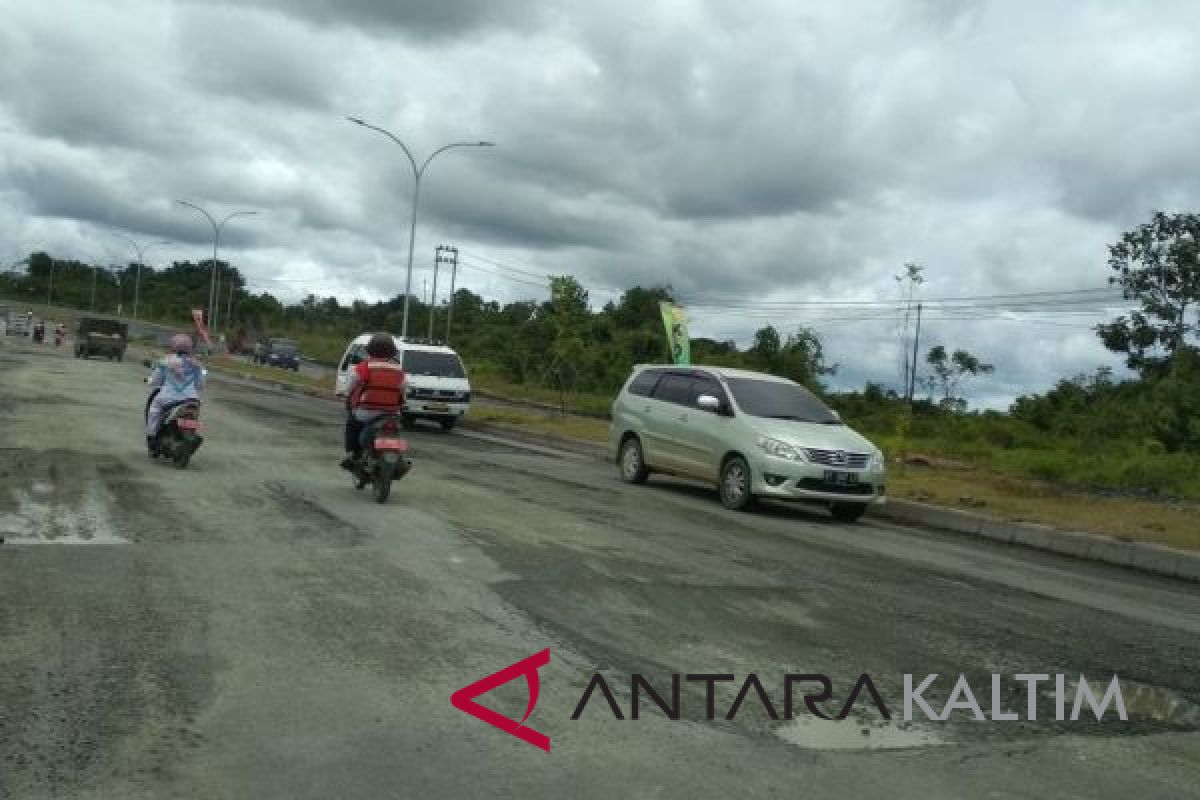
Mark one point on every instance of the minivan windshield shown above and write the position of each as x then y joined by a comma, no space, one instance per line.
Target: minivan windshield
424,362
776,400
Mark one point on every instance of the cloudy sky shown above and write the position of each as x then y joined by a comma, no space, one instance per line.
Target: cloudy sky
773,160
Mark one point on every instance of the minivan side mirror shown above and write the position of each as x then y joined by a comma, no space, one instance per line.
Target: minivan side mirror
709,403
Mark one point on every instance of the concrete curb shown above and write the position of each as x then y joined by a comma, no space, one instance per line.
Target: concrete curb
1152,558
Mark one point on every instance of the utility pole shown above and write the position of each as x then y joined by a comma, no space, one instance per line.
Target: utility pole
433,297
453,275
444,255
908,281
912,375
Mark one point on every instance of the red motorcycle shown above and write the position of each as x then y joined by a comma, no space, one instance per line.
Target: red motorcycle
383,457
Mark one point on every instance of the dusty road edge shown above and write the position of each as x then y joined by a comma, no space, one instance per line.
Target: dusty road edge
1149,558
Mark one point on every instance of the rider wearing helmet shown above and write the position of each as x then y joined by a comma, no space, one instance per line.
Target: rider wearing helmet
178,378
376,389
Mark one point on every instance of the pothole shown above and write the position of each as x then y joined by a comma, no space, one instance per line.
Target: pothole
39,519
813,733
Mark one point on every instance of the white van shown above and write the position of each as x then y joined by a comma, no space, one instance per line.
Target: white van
438,388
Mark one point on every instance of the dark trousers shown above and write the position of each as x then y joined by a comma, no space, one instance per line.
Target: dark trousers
354,430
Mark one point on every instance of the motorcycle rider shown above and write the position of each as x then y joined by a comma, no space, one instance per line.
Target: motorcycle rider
376,389
178,378
60,334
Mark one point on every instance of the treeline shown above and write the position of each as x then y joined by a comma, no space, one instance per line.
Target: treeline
560,343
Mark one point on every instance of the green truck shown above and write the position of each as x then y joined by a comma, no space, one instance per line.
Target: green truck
101,337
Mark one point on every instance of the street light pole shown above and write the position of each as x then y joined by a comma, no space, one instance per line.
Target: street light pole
213,299
417,173
141,254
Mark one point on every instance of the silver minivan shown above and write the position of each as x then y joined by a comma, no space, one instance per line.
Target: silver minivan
748,433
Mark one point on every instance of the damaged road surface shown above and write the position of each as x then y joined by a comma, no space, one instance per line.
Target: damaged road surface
251,627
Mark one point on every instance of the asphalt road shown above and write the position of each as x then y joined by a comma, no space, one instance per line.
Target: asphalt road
254,628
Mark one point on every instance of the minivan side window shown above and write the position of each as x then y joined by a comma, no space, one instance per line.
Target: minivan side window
674,388
705,384
643,384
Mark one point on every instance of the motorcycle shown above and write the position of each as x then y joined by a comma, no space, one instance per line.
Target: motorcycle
383,458
39,333
59,337
179,430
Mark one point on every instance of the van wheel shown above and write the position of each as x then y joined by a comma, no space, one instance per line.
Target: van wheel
408,421
448,423
847,512
735,486
633,465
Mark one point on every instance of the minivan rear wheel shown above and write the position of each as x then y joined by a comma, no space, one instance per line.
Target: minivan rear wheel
847,512
633,465
735,484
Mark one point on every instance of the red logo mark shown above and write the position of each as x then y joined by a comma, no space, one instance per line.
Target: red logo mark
464,698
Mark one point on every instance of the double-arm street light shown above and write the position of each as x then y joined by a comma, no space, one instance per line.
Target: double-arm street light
141,256
213,299
417,173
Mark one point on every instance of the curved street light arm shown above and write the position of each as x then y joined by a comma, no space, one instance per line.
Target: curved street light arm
208,216
391,136
446,147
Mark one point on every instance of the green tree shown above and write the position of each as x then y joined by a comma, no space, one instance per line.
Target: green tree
1157,265
949,371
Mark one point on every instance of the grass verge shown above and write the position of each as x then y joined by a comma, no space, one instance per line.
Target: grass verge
1023,500
234,367
581,428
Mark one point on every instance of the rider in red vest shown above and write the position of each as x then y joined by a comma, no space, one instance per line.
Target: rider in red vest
376,388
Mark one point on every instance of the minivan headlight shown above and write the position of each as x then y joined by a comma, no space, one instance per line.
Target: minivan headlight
877,462
780,449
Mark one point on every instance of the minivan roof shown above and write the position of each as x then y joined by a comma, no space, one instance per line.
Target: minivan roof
403,345
724,372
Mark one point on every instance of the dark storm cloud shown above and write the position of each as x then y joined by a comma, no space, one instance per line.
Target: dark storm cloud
442,18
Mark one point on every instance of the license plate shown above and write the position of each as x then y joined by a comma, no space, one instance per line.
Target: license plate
391,444
841,478
189,424
436,407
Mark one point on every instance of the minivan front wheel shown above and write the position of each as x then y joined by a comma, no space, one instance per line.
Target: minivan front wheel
633,465
735,485
847,512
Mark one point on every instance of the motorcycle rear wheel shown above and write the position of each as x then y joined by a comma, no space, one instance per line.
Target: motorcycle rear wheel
383,481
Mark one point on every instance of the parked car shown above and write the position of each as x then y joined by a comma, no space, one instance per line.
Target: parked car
438,388
750,434
283,353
